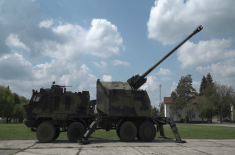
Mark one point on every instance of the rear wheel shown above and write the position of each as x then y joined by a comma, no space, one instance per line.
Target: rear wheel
147,131
45,132
128,131
57,133
75,131
117,131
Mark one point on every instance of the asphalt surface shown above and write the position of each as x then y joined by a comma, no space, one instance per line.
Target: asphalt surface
114,147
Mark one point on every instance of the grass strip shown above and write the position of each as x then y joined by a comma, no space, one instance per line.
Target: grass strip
187,131
80,149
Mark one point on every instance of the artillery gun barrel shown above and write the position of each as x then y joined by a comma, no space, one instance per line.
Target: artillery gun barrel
137,81
198,29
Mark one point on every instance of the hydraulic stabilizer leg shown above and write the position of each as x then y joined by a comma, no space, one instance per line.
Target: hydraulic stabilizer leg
162,134
174,129
90,130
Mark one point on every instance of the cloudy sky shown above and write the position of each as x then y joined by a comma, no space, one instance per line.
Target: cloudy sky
77,42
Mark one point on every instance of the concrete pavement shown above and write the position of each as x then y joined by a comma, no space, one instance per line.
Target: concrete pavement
111,147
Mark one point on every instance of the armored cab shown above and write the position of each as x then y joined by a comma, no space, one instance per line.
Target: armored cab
58,107
118,99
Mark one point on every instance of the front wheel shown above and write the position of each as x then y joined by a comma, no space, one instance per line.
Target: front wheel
75,132
57,133
45,132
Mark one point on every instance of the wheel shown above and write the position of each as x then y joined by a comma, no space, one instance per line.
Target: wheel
57,133
128,131
45,132
117,131
147,131
75,131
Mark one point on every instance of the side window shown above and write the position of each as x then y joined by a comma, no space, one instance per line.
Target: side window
57,103
36,98
67,102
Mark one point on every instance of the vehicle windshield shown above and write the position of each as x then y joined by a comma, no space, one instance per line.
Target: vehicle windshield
36,98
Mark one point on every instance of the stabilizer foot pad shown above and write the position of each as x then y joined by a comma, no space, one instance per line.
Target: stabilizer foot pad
163,137
180,141
84,141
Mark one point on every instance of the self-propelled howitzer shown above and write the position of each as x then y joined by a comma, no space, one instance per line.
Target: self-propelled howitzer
127,110
137,81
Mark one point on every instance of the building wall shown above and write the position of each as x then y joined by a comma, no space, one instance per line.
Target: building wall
167,109
232,113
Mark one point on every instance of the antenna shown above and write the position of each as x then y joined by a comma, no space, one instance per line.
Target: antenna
160,85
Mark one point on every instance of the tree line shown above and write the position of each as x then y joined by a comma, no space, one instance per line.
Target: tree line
215,99
11,105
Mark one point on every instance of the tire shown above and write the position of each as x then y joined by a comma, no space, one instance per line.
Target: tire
117,131
128,131
147,131
45,132
75,132
57,133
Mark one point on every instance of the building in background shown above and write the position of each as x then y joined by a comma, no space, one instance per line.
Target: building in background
168,105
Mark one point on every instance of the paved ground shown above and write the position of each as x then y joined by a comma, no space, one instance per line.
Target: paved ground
111,147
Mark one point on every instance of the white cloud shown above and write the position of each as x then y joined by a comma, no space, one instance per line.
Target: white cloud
102,65
13,41
163,71
46,23
107,78
63,44
196,85
209,51
170,20
102,40
173,87
119,62
151,85
222,72
15,67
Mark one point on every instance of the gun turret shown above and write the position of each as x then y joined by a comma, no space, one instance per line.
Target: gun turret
57,86
137,81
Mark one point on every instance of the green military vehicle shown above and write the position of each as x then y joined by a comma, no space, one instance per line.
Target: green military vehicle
121,106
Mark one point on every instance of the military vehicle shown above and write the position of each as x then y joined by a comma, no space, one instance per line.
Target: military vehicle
121,106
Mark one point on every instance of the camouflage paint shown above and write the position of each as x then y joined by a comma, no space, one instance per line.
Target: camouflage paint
76,105
118,99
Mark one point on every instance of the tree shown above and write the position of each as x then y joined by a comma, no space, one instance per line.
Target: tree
203,85
161,109
209,79
183,95
16,98
175,108
206,108
19,111
190,109
155,112
16,102
6,103
222,97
